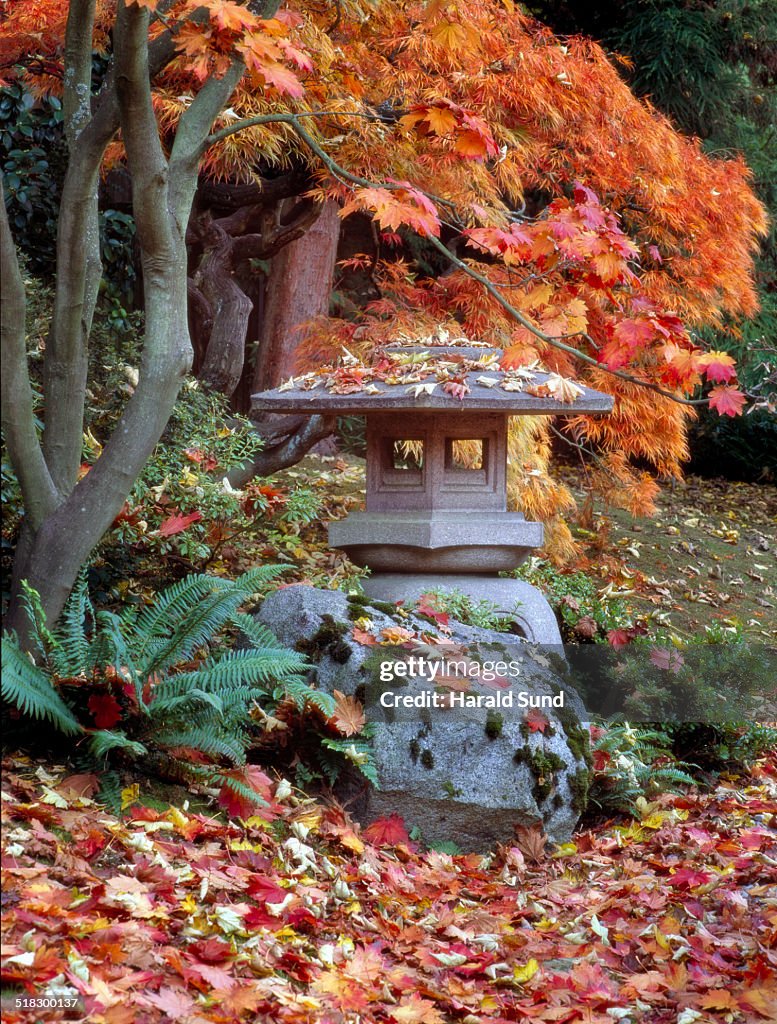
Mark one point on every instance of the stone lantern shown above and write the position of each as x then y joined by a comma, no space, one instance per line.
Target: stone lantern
436,500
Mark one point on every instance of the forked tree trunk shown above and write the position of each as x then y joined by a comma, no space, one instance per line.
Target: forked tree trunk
298,288
66,517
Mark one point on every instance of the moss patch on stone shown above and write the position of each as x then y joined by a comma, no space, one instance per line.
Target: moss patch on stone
494,725
578,740
543,765
383,606
427,758
327,640
580,785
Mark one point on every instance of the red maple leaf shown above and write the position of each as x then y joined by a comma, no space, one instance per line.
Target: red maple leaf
265,890
427,605
718,366
536,721
177,523
687,878
727,401
106,710
387,831
619,637
361,636
667,659
211,950
239,806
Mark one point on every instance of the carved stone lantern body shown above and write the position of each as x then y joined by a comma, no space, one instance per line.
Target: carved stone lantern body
436,496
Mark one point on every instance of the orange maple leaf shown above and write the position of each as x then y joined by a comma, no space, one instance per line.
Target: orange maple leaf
349,714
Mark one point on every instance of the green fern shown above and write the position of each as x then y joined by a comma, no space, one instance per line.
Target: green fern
109,793
358,752
188,695
639,763
29,688
303,694
70,654
206,738
103,741
40,635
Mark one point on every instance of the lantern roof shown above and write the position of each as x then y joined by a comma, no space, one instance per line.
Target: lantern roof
433,379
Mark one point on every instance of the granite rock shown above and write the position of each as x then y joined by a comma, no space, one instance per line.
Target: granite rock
467,775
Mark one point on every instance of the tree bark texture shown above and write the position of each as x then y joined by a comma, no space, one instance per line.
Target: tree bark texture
228,244
298,288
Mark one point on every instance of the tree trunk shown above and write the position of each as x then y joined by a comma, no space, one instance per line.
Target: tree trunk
222,365
298,289
64,522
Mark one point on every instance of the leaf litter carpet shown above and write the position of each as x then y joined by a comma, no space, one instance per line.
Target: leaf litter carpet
170,915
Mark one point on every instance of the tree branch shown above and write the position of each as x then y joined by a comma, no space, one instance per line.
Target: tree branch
271,460
76,98
38,491
78,259
346,176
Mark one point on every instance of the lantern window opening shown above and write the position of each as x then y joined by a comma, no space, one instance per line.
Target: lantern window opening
466,454
406,455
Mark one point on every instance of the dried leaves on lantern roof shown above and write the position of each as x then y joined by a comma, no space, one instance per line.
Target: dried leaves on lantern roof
415,376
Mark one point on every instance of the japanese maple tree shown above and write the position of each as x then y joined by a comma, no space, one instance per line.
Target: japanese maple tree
578,226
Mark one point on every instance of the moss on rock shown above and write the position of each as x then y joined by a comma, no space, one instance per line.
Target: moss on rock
327,640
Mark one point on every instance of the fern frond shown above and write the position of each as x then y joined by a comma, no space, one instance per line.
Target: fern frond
109,793
111,647
198,626
28,688
101,741
41,636
235,668
256,633
207,739
177,703
170,607
359,753
70,656
302,693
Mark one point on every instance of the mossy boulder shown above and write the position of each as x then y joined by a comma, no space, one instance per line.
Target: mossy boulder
469,775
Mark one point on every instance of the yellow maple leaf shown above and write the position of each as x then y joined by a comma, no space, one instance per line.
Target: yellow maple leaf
450,34
525,973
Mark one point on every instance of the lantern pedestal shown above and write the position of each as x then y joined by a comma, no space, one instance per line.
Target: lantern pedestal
438,541
530,614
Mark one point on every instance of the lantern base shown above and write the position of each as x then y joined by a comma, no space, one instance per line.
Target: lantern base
532,616
444,541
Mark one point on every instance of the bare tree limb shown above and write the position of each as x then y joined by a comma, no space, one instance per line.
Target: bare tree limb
289,451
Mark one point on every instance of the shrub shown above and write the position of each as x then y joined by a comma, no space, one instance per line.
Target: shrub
584,612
